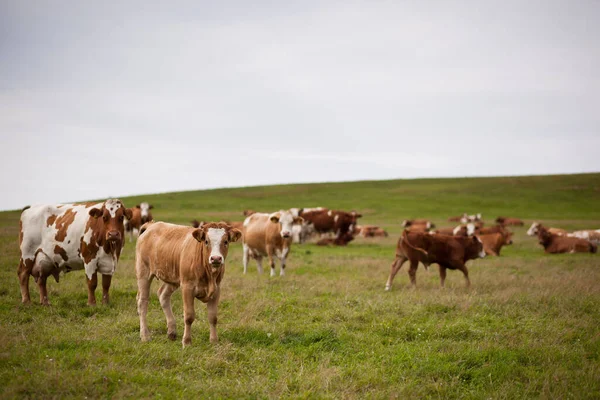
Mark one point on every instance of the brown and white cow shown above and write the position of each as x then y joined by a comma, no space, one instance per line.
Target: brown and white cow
555,244
372,231
444,231
591,235
68,237
182,256
268,235
335,221
417,221
534,230
140,215
508,221
302,232
449,252
458,218
493,242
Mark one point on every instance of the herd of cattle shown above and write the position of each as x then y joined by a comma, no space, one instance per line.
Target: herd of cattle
90,236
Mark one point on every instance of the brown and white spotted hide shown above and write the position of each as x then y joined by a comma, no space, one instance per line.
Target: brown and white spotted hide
67,237
268,235
140,215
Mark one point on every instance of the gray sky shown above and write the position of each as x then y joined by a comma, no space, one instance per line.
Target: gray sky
101,100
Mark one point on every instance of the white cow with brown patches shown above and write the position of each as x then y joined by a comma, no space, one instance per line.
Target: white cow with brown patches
182,256
268,235
67,237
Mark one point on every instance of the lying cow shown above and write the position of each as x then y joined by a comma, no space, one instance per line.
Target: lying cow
182,256
140,215
591,235
555,244
414,222
535,227
268,235
508,221
449,252
458,218
470,218
371,231
493,242
340,240
68,237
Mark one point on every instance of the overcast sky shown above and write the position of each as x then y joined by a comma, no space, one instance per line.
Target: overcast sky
100,99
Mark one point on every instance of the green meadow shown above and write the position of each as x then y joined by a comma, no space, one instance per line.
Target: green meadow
529,327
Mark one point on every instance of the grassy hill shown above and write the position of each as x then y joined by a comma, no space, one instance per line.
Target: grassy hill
528,327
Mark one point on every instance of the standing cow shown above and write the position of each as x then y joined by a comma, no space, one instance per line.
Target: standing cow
268,235
67,237
182,256
141,214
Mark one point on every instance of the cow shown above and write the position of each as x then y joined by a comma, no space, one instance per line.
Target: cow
486,230
444,231
554,244
301,232
325,221
535,228
508,221
412,222
268,235
471,218
341,240
182,256
493,242
371,231
69,237
458,218
449,252
141,215
591,235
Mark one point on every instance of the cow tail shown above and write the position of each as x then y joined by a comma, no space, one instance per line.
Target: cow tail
405,239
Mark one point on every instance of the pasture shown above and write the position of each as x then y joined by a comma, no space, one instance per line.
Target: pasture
528,327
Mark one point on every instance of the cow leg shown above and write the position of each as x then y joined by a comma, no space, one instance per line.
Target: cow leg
24,273
465,272
412,272
442,275
189,314
396,265
164,295
284,253
43,290
211,307
106,280
246,250
272,263
142,306
92,285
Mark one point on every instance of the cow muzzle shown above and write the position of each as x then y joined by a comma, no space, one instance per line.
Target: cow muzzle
216,261
482,254
113,236
286,235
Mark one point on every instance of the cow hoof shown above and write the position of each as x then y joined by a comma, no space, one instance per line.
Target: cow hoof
172,335
27,301
214,340
387,288
186,342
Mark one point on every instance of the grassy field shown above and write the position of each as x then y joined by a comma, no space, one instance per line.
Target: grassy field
529,327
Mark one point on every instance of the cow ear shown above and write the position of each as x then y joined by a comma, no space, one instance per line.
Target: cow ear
151,207
298,220
234,235
358,215
96,212
128,213
199,235
274,217
137,206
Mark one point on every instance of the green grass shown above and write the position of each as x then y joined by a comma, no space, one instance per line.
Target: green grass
528,327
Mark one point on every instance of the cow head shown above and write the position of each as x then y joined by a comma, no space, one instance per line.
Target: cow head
533,230
145,211
112,214
476,247
507,237
285,219
472,229
216,238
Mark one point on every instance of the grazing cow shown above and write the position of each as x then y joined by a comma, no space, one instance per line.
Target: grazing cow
493,242
449,252
68,237
508,221
341,240
325,221
141,214
535,228
268,235
182,256
555,244
371,231
591,235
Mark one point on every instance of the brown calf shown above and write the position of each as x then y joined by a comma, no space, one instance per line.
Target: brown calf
493,242
182,256
140,215
450,252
